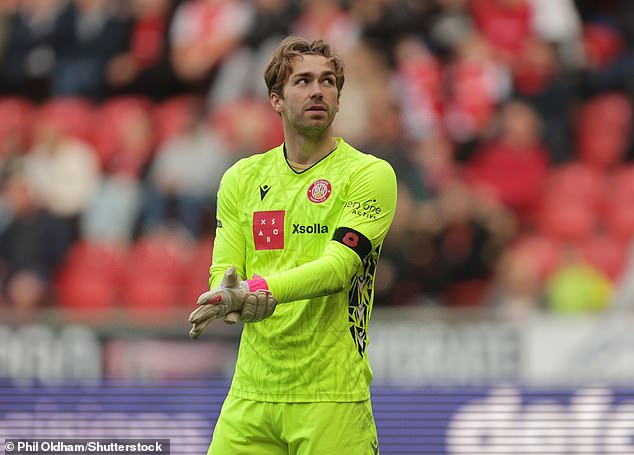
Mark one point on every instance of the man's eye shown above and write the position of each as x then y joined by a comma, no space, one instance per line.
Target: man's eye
302,81
329,81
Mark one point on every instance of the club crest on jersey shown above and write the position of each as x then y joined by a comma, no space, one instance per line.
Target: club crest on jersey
319,191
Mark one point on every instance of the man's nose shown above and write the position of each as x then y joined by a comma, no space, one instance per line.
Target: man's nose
316,90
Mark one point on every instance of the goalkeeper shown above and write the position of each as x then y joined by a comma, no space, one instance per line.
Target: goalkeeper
300,230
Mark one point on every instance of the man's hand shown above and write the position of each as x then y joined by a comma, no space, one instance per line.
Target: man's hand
223,301
234,301
257,306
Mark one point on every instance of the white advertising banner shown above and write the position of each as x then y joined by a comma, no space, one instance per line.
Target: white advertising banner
545,350
414,350
579,350
422,353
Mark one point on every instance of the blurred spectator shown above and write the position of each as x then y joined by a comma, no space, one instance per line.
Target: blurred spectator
32,34
572,197
203,33
16,119
386,137
92,33
576,287
31,245
602,44
538,80
145,67
517,289
425,84
248,126
476,82
8,8
512,167
373,123
397,280
366,72
559,24
618,13
450,25
517,292
608,26
431,169
241,73
185,175
608,58
534,68
327,19
417,82
114,213
63,170
603,130
505,24
460,237
132,137
383,23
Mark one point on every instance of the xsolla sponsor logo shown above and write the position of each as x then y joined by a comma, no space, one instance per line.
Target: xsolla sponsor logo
367,209
315,228
592,421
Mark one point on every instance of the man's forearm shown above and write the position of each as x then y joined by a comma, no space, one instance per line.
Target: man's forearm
324,276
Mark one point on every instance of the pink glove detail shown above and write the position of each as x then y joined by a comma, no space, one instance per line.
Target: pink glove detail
257,283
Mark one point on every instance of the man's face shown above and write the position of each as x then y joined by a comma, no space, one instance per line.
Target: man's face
309,100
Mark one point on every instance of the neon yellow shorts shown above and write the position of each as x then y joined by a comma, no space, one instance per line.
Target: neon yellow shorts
248,427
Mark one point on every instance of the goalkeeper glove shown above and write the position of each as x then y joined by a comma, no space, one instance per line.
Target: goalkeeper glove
234,299
214,305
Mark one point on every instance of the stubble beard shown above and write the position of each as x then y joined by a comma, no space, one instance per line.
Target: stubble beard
312,132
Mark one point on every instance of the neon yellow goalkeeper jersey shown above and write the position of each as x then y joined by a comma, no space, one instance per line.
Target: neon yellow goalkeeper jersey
315,237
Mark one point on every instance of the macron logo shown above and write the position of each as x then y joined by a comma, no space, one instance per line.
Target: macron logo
264,189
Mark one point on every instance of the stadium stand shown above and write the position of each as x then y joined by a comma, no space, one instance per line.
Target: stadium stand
536,123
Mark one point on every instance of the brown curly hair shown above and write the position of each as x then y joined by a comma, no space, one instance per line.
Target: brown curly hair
278,69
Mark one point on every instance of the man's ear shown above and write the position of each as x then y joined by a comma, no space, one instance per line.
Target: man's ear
276,102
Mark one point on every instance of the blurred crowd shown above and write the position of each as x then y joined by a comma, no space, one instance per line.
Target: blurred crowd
508,122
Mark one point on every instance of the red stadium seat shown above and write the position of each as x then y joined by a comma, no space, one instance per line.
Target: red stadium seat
603,129
155,270
146,292
77,291
111,116
566,220
172,116
619,218
621,182
197,276
73,115
15,119
577,183
90,276
606,254
248,124
542,252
